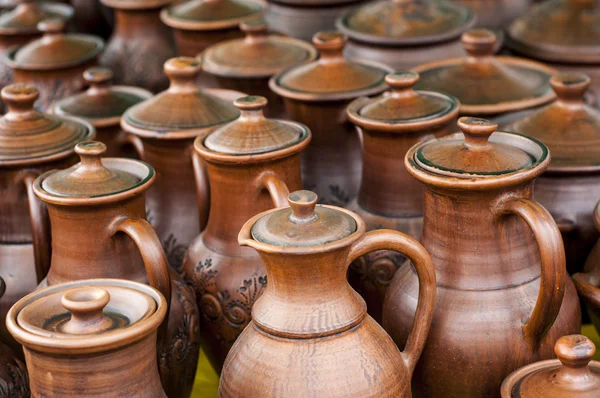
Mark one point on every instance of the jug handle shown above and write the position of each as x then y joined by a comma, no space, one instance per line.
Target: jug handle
553,264
133,140
202,188
277,189
385,239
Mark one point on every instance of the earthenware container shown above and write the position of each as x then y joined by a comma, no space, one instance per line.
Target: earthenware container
310,333
163,130
389,197
496,14
91,18
103,104
108,325
99,230
499,259
140,44
317,95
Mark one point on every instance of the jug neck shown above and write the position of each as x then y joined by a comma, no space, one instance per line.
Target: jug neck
128,22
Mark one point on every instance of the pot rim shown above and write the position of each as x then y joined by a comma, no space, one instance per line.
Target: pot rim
190,25
135,5
65,10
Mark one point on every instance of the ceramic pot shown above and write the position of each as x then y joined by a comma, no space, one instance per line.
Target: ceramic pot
65,332
496,14
140,44
90,18
389,197
317,95
256,158
309,318
499,260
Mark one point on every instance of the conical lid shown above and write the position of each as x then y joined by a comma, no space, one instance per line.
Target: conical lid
252,133
486,84
559,30
572,375
473,154
28,136
569,127
304,223
26,16
406,22
211,14
331,77
256,55
183,107
102,104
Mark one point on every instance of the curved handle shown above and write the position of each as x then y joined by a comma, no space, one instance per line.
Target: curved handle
202,188
277,189
133,140
553,264
386,239
587,289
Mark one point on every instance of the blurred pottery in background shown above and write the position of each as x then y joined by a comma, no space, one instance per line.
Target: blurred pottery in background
496,14
90,18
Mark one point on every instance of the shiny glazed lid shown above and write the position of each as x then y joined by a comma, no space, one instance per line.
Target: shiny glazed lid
572,375
257,55
210,14
332,77
28,136
303,224
486,84
406,22
24,18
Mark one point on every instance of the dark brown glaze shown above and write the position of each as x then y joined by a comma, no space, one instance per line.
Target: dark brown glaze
90,18
496,14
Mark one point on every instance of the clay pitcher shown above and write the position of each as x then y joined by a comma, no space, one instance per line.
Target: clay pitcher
310,334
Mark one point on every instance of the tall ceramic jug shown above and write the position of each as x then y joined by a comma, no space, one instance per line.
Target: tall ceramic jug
310,334
504,297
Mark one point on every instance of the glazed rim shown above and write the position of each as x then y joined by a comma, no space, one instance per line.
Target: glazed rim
502,107
135,4
190,24
475,182
87,344
66,12
140,169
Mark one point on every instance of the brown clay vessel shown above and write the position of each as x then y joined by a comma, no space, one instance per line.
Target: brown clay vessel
496,14
91,18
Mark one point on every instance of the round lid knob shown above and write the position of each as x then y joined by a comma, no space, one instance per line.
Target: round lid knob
570,87
86,306
401,81
330,44
251,105
479,42
477,131
98,75
303,206
183,72
255,29
51,26
19,97
574,351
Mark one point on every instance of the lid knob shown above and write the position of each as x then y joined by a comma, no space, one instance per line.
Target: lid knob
477,131
303,206
330,45
19,97
251,107
98,78
91,153
402,82
574,351
479,42
570,87
183,72
86,305
51,26
255,30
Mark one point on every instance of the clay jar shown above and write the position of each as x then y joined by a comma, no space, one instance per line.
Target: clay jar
389,197
31,142
54,63
90,18
310,334
247,64
103,104
405,33
108,325
317,95
140,44
99,230
163,129
254,158
496,14
504,296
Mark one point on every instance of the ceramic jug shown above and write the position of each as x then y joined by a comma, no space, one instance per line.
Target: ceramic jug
98,230
92,337
255,158
504,296
310,334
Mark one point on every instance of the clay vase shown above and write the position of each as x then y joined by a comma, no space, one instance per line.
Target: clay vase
504,296
317,94
496,14
102,105
140,44
31,142
310,334
163,130
256,158
54,63
90,18
108,325
389,197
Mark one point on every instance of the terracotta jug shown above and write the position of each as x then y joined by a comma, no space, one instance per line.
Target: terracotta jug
310,334
31,142
255,158
140,44
504,296
163,129
389,197
93,337
98,230
317,95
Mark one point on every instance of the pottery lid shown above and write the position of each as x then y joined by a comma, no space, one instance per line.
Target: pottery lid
303,224
406,22
183,106
136,4
29,136
487,84
56,49
559,30
572,375
331,77
257,55
210,14
102,104
24,18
